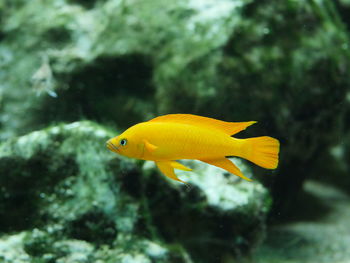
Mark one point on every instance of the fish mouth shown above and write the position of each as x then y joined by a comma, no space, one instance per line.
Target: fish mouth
111,147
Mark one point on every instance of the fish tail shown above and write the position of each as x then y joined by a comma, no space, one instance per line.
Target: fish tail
262,151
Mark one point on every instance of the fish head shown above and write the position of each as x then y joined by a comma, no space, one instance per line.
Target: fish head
126,144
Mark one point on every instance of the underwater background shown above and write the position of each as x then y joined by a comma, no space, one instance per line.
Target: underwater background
74,73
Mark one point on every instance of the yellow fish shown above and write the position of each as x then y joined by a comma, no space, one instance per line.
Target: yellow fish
172,137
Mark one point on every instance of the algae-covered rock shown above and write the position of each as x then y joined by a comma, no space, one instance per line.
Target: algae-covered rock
66,198
62,188
281,63
11,249
220,213
41,171
119,62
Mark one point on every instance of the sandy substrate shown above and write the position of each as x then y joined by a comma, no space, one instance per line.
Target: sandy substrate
320,233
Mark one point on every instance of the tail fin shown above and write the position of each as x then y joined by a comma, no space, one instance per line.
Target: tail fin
262,151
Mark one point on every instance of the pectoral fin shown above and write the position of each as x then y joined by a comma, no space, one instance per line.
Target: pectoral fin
149,146
167,169
228,166
180,166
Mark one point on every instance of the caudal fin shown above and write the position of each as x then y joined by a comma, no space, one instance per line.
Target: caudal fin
262,151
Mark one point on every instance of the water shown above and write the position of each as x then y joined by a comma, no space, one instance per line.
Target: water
74,74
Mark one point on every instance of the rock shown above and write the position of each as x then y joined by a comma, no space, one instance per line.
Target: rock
115,61
119,62
75,201
220,212
280,70
11,249
40,170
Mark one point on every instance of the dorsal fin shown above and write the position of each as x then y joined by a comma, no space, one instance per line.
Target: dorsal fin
229,128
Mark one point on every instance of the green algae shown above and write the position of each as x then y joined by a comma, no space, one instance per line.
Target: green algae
80,200
120,61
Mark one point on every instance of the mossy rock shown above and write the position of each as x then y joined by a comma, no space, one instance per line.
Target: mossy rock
72,198
218,217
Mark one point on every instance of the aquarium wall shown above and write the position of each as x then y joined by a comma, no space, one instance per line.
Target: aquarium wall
74,74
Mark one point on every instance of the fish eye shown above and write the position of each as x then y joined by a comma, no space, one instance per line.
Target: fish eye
123,142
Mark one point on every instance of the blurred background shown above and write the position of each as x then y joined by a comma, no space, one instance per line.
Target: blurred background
74,73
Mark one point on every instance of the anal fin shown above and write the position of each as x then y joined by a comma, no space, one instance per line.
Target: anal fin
179,166
228,166
166,167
